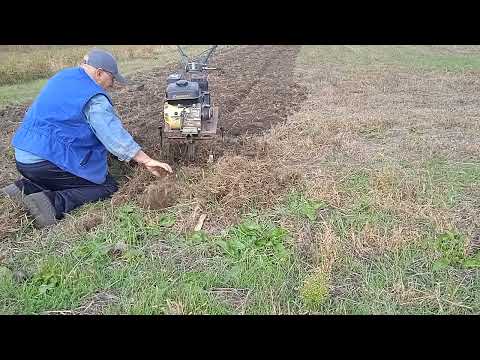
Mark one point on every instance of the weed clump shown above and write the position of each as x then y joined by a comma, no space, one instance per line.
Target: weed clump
315,290
452,252
255,239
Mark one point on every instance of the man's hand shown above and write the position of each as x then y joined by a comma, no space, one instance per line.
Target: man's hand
157,167
154,166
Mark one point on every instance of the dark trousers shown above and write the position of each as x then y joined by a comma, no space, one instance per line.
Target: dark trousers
65,190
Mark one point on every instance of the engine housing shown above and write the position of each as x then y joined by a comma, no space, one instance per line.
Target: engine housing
187,103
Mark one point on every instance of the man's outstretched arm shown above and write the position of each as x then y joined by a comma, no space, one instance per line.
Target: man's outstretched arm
109,130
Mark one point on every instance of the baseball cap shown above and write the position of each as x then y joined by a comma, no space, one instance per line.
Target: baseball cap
102,59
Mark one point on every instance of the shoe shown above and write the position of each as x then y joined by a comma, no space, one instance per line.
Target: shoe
40,207
13,192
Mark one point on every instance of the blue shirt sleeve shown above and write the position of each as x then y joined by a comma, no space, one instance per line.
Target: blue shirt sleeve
108,128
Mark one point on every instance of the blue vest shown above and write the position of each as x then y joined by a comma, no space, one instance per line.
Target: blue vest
56,129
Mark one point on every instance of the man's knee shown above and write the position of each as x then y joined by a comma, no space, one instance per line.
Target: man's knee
110,185
113,188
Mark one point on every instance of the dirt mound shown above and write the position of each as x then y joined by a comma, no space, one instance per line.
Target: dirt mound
89,222
160,194
238,182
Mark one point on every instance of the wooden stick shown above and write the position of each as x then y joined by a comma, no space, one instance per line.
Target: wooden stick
199,225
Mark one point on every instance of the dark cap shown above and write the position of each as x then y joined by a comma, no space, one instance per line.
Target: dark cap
102,59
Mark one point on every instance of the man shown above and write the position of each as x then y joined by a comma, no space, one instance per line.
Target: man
62,144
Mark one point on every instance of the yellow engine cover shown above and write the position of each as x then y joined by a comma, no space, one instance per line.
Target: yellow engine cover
171,115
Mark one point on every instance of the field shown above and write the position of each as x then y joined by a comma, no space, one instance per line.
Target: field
347,183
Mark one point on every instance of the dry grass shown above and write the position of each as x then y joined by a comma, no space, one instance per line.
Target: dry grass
377,119
12,221
25,63
78,224
237,184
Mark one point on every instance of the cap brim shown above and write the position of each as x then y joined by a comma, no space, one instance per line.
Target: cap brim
120,79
